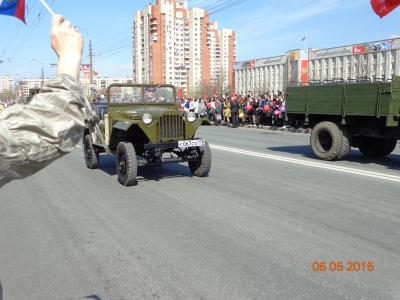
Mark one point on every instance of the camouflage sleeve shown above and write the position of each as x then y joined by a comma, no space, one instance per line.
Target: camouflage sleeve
34,135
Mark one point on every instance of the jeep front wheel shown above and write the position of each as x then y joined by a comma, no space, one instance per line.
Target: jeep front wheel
91,155
126,163
202,166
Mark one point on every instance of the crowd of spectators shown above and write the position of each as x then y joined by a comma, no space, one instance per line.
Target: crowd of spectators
250,110
7,103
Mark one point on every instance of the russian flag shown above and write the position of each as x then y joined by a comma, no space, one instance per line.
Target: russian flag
14,8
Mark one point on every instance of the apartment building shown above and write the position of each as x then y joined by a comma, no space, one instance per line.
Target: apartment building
378,61
6,83
176,45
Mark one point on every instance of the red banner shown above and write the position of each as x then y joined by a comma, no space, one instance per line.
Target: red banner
86,73
304,67
383,7
359,50
180,93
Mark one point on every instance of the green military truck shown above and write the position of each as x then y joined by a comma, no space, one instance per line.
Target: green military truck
140,125
346,114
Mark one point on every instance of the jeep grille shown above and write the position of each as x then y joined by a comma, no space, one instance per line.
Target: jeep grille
171,127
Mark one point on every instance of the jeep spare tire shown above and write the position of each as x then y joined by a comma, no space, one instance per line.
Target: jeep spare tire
126,163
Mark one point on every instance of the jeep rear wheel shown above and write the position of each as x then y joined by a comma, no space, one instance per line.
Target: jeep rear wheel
329,141
91,156
126,163
202,166
375,147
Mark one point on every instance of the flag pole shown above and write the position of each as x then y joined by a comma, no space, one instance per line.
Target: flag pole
47,7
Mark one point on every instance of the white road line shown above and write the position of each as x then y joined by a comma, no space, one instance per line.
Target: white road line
312,164
78,146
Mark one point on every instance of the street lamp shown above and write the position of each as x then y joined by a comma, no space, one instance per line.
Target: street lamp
32,59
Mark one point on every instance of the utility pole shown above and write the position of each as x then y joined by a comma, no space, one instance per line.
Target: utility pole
42,77
90,68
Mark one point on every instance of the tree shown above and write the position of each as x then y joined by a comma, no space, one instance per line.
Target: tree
7,94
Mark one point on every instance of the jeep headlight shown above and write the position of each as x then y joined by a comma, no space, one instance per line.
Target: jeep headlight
147,118
191,116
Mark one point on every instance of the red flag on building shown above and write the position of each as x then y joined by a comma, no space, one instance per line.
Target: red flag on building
383,7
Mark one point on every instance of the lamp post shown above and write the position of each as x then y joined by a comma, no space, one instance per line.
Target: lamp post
32,59
18,85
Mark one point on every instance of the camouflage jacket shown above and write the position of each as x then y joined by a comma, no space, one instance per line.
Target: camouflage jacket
34,135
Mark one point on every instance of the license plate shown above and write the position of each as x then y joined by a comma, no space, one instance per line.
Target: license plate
191,143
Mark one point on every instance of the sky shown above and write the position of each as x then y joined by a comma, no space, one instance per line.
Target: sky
264,28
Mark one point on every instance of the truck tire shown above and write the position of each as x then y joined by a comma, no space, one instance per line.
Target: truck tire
392,146
91,155
126,163
376,147
202,166
329,141
346,142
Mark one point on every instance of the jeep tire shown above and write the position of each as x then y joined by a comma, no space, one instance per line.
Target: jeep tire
126,164
91,155
330,141
202,166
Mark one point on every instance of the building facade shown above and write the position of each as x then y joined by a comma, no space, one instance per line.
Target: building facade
176,45
376,61
6,83
99,85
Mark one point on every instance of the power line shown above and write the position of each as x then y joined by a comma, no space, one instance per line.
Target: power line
127,48
26,36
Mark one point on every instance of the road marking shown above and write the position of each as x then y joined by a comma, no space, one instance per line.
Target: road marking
311,164
78,146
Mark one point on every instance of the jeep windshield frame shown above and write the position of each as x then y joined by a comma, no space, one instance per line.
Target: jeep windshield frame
141,94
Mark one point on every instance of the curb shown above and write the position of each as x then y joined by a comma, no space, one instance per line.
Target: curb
273,128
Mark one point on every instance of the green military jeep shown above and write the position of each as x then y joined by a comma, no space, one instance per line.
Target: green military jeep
140,125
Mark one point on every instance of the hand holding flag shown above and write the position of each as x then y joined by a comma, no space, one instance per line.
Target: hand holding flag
15,8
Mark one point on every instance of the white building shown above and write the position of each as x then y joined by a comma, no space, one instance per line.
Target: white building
6,83
378,61
100,84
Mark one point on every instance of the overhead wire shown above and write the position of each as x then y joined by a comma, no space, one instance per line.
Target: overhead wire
109,48
27,35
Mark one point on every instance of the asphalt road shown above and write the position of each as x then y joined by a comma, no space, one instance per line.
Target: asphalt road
252,229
